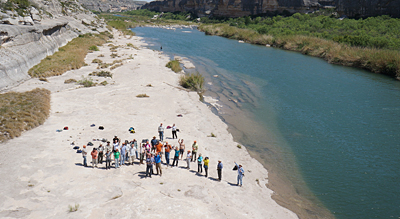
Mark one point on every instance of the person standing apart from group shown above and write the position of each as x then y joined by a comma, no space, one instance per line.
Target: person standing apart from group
188,158
161,132
84,155
181,147
219,170
167,150
199,164
240,174
94,157
195,147
206,161
176,157
174,132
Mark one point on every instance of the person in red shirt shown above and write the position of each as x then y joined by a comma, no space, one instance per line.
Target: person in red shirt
94,157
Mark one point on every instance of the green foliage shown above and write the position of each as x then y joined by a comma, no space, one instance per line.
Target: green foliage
174,65
193,81
86,82
20,6
104,74
94,48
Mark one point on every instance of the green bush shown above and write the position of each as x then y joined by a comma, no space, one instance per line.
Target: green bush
193,81
94,48
174,65
86,82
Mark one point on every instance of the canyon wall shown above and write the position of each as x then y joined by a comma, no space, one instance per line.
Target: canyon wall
30,35
238,8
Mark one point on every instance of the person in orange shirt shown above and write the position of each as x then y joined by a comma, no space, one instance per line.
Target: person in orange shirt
167,150
159,147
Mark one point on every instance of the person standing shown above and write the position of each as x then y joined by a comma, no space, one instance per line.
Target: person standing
123,154
159,147
142,153
240,174
108,147
219,170
161,132
195,147
174,133
108,159
84,155
176,157
134,143
153,144
116,156
149,165
94,157
188,158
199,164
132,153
127,146
167,150
101,154
206,161
157,160
181,147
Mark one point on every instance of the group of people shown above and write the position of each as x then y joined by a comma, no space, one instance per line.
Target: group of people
151,153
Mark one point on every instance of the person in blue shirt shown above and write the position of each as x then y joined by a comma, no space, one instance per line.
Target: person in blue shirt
219,170
176,157
199,164
157,159
240,174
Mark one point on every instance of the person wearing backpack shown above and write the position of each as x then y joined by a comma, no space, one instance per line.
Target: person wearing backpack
199,164
206,161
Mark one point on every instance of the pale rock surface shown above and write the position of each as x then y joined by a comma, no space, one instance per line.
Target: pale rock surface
43,175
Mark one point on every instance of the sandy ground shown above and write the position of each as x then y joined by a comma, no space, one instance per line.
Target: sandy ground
41,175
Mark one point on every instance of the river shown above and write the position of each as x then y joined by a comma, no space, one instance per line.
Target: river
328,135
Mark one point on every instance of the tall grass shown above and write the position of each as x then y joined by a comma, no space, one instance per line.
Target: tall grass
22,111
69,57
193,81
174,65
382,61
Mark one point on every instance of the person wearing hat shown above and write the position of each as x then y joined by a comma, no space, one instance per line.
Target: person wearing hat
153,142
188,158
219,170
206,161
240,174
84,154
195,147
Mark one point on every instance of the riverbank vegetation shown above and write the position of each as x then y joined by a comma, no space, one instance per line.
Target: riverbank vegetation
70,56
192,81
22,111
174,65
372,43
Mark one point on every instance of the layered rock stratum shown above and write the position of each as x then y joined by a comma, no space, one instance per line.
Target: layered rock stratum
238,8
112,5
28,34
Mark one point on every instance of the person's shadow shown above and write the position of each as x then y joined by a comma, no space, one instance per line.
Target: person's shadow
141,174
212,178
80,164
232,184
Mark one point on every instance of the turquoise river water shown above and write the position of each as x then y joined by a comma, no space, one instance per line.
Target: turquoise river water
333,131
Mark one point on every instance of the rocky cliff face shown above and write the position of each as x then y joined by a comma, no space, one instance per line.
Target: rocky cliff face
27,36
238,8
112,5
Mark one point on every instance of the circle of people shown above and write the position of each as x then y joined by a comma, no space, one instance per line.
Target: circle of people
151,153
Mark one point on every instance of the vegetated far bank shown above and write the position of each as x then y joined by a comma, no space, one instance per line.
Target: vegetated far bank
382,61
22,111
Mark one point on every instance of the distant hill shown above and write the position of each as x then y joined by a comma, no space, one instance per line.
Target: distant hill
112,5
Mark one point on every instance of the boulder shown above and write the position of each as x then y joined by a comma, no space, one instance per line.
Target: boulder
86,22
28,21
10,21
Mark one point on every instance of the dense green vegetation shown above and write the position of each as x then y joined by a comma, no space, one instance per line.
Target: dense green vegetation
174,65
371,43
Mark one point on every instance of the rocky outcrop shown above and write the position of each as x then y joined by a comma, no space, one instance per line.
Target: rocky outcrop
238,8
367,8
112,5
29,36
